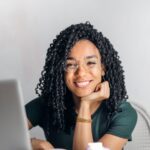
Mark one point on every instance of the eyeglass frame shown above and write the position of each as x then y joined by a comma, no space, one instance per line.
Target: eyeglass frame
86,59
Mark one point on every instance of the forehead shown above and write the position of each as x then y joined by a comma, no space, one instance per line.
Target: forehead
84,48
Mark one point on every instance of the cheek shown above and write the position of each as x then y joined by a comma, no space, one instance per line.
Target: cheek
68,80
97,74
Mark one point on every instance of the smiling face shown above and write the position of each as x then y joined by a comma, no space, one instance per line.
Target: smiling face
83,68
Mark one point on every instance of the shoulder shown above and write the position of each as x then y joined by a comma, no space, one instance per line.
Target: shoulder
123,122
125,108
36,101
126,114
35,110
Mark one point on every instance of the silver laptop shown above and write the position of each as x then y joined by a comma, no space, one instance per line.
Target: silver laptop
14,134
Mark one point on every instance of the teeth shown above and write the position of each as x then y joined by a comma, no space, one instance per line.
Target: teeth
82,84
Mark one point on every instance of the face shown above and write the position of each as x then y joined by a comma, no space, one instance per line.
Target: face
83,68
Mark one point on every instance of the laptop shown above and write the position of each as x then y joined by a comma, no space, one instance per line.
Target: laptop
14,134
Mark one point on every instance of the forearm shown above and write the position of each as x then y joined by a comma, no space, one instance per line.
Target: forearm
83,130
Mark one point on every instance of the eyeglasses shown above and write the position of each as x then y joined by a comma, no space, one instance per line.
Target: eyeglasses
72,65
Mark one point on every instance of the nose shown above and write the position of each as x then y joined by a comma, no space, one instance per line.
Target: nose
81,70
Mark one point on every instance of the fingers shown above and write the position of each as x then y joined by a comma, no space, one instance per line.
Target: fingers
40,144
102,92
105,90
98,87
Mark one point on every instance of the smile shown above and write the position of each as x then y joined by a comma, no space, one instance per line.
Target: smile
82,84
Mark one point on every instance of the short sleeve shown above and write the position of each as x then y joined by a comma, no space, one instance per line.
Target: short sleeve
122,123
35,111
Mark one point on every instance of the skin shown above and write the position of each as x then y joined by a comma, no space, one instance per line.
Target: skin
81,50
88,92
89,98
38,144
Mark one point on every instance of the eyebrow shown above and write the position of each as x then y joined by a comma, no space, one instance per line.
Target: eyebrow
92,56
87,57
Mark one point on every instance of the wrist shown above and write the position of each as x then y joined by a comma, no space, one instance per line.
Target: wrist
84,105
83,120
84,111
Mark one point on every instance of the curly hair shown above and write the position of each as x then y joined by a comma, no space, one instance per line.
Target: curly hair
51,86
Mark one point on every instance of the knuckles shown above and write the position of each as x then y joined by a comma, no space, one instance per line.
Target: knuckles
42,145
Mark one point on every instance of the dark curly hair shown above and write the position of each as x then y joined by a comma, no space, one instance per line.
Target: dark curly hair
51,86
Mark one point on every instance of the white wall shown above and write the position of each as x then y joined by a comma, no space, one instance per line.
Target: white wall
27,28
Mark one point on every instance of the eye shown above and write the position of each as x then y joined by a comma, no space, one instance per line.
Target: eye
91,63
70,66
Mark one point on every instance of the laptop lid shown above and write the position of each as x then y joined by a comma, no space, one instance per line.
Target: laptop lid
14,134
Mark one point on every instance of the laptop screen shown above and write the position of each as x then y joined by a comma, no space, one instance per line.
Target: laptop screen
14,134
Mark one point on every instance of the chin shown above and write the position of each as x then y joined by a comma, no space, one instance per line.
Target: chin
82,94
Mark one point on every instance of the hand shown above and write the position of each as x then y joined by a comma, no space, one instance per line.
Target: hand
38,144
101,92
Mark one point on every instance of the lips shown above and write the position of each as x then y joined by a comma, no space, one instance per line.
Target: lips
82,84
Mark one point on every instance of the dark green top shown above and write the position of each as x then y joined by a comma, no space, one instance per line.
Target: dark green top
121,123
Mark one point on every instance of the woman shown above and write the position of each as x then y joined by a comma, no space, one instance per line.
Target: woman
82,94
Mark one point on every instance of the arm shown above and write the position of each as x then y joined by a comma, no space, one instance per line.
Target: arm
83,134
121,127
29,124
38,143
113,142
83,130
34,110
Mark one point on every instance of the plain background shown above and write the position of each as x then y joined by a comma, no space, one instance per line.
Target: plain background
27,28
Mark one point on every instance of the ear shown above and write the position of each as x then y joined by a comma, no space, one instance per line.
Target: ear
103,69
